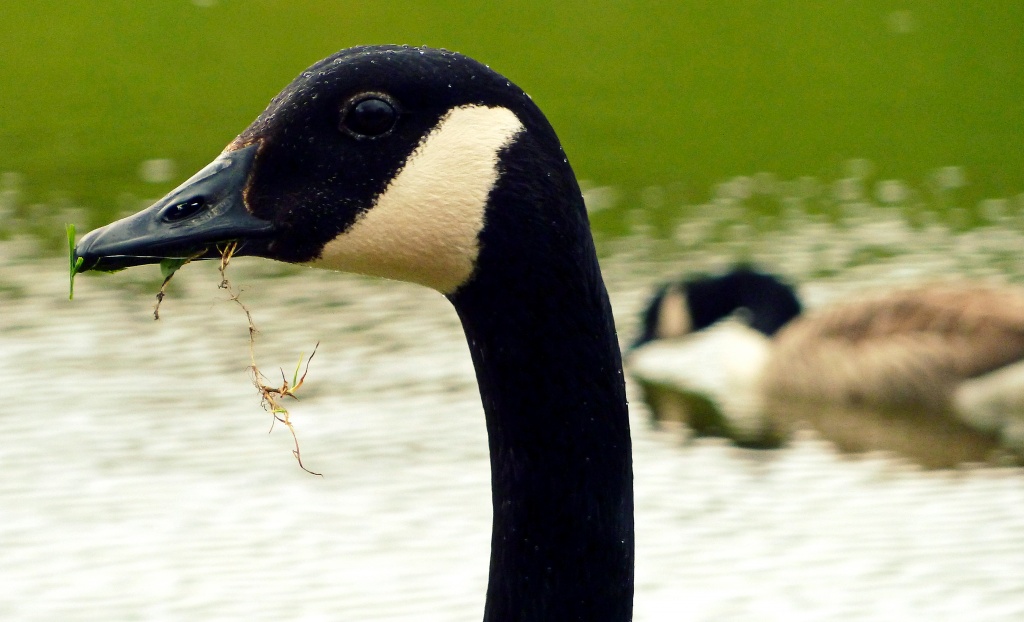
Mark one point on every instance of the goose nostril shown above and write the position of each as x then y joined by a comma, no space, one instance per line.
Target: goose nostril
184,209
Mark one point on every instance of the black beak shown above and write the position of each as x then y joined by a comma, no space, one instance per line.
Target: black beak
191,221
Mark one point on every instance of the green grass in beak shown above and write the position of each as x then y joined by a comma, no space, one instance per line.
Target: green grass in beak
74,264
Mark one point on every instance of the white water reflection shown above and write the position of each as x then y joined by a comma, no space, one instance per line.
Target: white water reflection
139,481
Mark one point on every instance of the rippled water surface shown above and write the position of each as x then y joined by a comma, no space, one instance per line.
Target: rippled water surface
139,481
876,144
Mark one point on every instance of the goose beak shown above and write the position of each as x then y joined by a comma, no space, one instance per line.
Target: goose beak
191,221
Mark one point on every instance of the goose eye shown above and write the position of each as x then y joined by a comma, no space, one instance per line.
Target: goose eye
184,209
369,117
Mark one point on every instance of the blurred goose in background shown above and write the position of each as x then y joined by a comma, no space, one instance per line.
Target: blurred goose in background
934,372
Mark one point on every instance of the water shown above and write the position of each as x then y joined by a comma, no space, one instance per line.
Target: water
683,93
847,147
140,483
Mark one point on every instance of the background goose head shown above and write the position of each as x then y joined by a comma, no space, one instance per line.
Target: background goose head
678,308
425,166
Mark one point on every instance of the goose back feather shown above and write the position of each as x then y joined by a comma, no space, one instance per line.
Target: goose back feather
899,349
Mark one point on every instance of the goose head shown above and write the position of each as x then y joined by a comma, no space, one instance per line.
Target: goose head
762,301
378,160
425,166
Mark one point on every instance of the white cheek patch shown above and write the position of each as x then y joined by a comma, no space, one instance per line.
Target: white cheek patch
424,227
673,316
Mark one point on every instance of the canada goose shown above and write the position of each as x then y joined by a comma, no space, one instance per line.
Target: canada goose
426,166
949,356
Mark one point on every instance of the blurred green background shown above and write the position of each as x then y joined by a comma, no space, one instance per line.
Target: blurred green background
675,95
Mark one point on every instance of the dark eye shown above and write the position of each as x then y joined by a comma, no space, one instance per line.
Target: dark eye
369,116
184,209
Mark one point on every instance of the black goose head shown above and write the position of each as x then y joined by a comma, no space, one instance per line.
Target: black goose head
698,302
377,160
425,166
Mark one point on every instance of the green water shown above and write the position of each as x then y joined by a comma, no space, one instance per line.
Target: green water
713,131
677,95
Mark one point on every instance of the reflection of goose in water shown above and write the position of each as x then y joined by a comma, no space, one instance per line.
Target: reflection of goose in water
934,371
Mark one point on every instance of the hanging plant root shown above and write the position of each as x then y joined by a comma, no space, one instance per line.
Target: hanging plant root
270,396
168,268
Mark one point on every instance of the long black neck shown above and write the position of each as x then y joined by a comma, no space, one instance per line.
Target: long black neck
540,329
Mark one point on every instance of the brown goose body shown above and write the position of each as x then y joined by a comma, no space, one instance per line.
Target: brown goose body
934,372
912,347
